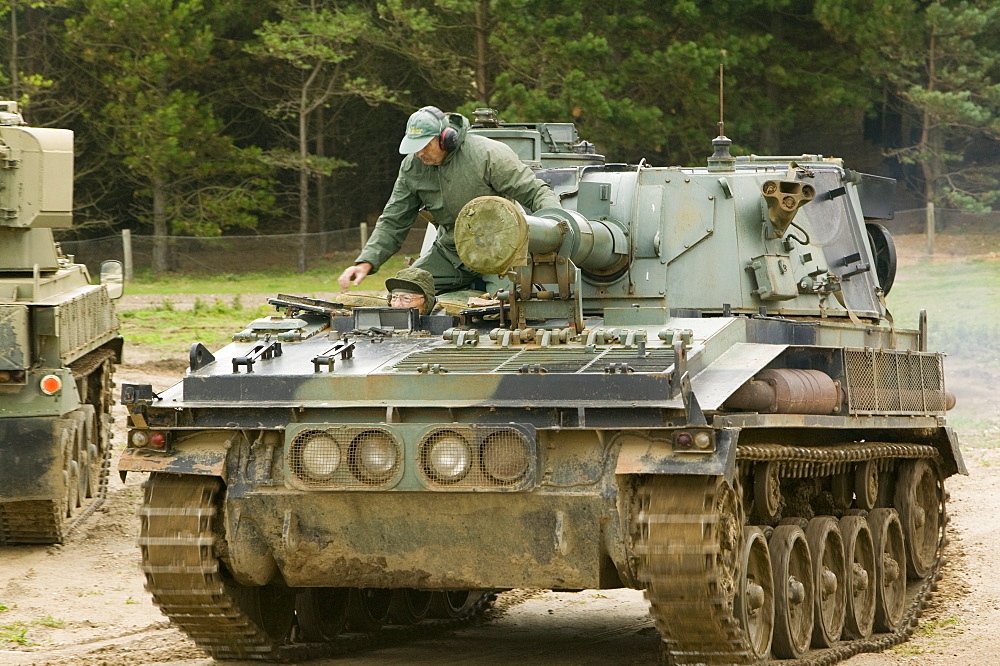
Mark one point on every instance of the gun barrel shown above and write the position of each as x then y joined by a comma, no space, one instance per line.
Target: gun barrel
492,236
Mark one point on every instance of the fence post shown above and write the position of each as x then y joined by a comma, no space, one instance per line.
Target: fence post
127,253
930,227
364,233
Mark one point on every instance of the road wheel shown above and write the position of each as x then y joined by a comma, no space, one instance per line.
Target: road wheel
791,567
322,612
368,609
890,572
409,606
859,583
826,547
919,500
754,602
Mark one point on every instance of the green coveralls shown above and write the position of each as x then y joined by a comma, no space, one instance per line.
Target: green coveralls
478,167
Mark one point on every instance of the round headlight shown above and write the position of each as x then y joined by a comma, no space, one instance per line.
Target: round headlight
376,456
320,456
505,458
448,457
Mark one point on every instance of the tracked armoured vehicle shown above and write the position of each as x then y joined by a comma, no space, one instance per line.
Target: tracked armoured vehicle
59,342
693,387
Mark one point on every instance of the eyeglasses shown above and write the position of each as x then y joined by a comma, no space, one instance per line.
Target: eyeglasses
406,299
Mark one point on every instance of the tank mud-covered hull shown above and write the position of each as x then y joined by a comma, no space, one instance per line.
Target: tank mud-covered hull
692,388
429,541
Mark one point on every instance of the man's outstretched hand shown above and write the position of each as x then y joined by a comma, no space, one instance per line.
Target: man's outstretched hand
353,275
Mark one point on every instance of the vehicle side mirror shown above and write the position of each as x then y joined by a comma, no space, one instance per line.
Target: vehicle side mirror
113,277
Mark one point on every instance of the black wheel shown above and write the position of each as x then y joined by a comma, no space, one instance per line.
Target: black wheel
322,612
451,605
826,547
754,602
368,609
409,606
884,250
890,572
919,498
859,584
791,567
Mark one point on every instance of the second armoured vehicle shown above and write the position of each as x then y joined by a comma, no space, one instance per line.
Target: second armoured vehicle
58,342
692,387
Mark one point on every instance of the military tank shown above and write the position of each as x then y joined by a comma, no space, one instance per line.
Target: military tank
59,342
693,387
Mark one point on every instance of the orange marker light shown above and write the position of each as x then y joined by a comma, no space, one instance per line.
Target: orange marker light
50,384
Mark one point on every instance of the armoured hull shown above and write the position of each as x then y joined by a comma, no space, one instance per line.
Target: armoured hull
764,454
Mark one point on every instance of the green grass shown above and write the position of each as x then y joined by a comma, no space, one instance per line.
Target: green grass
17,632
258,283
166,329
962,299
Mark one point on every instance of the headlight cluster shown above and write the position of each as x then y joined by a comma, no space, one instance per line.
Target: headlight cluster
344,457
475,458
447,457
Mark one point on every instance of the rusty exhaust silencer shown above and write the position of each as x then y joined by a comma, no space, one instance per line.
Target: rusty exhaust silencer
788,391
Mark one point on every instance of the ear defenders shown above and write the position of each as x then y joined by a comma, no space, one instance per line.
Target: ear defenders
448,138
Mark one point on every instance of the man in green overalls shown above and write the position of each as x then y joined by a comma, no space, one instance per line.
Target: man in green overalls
446,167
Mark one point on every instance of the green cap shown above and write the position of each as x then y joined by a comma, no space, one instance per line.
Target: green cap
414,281
422,126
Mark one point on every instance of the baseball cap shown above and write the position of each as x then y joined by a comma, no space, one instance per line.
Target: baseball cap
422,126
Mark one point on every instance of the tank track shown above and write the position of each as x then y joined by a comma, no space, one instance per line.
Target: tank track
42,521
189,584
682,530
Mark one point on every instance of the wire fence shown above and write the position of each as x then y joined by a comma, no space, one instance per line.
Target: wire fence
280,252
232,254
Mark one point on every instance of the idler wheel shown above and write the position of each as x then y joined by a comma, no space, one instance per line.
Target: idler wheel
826,546
890,568
859,583
766,492
409,606
919,495
451,605
368,609
322,612
754,602
791,568
866,484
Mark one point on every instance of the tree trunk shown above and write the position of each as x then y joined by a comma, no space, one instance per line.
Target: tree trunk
14,64
303,186
482,16
160,225
772,134
929,152
321,181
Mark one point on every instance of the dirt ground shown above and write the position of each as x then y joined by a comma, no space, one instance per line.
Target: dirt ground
83,603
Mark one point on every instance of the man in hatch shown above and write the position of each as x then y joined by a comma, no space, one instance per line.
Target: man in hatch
412,288
446,167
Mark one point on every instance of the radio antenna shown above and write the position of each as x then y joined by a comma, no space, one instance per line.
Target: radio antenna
722,88
721,160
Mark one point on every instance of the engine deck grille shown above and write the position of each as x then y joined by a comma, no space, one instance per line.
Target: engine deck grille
881,381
